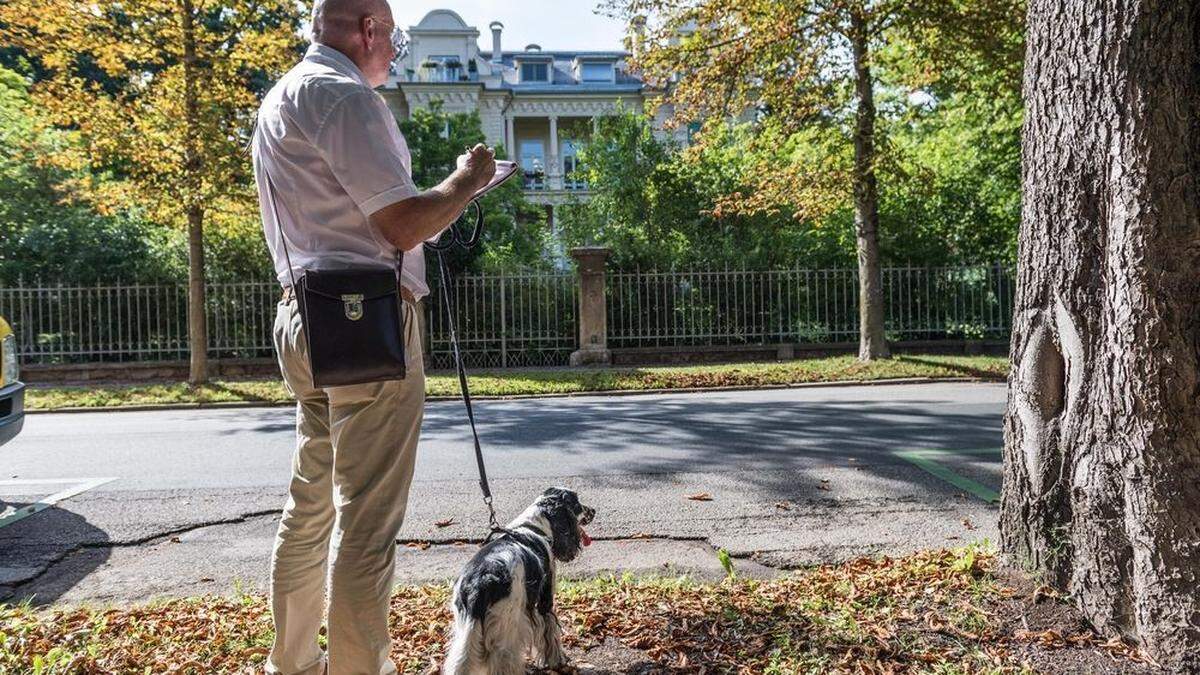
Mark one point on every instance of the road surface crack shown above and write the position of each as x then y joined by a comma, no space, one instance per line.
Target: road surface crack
14,588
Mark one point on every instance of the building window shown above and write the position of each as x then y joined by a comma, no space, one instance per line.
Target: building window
596,72
573,176
533,164
535,72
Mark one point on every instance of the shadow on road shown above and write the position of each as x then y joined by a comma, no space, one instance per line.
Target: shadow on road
44,555
699,434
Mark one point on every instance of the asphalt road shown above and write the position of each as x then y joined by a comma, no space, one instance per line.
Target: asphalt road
795,476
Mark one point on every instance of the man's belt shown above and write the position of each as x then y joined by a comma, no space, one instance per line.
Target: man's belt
408,296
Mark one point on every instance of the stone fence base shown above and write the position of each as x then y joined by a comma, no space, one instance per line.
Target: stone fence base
144,371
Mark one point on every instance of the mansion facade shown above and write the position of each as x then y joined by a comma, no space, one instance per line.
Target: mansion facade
540,105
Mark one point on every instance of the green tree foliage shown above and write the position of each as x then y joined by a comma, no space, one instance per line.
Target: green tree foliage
515,231
47,237
951,197
162,94
793,67
658,206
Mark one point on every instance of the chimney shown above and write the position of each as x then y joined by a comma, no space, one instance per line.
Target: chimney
496,27
637,36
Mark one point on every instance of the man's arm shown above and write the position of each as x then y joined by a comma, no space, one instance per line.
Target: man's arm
409,222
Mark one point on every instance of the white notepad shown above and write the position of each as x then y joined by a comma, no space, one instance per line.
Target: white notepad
504,170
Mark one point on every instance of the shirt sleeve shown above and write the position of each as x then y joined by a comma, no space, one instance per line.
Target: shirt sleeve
358,145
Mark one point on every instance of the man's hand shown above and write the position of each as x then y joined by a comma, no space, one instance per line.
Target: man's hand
477,166
411,221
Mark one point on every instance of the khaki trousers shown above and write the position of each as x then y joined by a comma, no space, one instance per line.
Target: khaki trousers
355,451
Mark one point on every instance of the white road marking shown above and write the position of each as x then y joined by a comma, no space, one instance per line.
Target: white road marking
78,486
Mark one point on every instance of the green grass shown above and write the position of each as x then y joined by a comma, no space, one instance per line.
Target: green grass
543,382
867,615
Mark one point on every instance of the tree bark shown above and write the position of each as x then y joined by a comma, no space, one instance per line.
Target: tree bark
1102,435
871,344
197,320
197,317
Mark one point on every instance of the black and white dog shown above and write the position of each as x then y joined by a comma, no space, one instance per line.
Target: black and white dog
504,599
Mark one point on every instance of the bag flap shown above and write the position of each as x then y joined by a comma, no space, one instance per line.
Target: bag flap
333,284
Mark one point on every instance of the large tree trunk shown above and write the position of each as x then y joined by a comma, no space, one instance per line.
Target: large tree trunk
1102,436
197,321
197,317
871,343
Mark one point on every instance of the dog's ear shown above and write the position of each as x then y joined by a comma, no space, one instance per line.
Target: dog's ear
560,510
561,495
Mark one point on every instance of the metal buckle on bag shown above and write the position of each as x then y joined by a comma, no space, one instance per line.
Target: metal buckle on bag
352,304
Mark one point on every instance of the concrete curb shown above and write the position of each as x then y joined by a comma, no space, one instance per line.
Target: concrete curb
230,405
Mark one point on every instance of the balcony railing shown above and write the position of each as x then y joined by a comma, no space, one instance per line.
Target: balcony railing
535,180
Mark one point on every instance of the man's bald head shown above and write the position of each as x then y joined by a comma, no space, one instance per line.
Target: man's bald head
335,21
360,29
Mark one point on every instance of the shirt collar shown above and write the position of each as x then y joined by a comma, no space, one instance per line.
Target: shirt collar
331,57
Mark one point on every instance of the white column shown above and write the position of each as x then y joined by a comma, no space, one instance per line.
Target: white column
555,172
510,140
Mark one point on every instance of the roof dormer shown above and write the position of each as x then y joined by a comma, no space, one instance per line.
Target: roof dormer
534,67
595,69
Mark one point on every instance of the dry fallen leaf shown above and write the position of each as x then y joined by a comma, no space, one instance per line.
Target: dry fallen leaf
786,506
903,609
700,497
968,524
446,523
419,545
1044,592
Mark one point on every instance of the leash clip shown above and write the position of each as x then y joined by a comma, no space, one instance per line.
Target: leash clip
492,522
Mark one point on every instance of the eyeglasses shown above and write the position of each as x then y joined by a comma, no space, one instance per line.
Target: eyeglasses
397,37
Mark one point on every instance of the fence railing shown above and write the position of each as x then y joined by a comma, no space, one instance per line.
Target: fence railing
507,320
503,321
731,307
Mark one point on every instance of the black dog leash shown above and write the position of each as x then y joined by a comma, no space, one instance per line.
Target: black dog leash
439,247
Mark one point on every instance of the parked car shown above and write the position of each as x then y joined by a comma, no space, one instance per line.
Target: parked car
12,390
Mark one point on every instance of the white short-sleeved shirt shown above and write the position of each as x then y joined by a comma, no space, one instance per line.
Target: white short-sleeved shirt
335,156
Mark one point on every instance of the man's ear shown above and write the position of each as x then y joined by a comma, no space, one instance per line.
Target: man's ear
368,27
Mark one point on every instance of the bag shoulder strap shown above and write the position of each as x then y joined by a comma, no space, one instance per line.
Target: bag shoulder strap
278,221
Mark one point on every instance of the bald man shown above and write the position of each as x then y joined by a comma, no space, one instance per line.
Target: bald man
334,182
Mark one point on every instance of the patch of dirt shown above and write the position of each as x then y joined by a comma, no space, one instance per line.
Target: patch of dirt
612,658
1052,636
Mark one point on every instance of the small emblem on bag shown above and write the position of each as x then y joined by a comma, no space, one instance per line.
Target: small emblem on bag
353,306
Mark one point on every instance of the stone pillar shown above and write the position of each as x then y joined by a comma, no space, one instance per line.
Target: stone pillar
510,139
593,310
553,161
